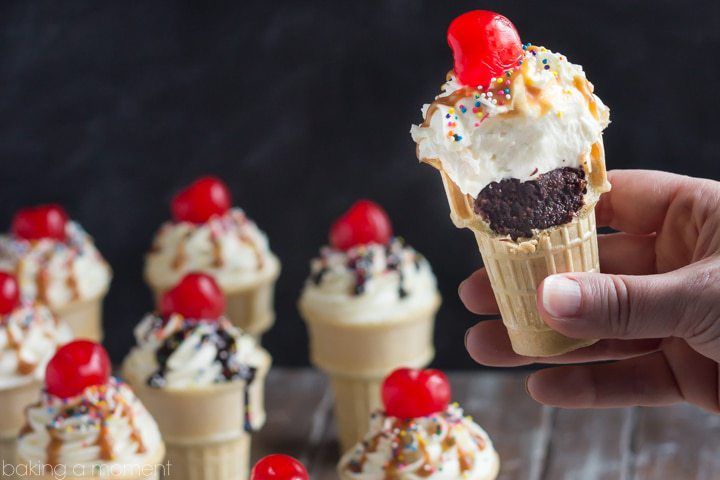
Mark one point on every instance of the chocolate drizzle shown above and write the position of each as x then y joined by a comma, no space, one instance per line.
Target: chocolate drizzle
360,261
226,346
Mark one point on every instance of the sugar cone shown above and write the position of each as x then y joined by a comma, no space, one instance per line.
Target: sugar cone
12,418
358,356
516,269
151,469
249,307
84,317
205,429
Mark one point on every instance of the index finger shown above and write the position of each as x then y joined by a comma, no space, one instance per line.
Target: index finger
639,200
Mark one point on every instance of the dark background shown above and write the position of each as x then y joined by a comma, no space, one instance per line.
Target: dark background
302,107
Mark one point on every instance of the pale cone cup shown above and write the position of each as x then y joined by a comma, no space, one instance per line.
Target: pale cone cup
516,269
150,470
84,317
204,429
251,307
357,357
492,474
13,402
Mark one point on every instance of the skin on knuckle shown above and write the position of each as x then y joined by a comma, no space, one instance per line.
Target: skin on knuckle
613,295
701,305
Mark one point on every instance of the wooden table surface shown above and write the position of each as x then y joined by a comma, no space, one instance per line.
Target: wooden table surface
534,442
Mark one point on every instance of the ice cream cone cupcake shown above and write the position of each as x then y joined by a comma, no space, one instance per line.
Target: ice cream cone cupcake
517,137
88,424
29,336
279,467
202,379
56,263
370,306
419,434
208,235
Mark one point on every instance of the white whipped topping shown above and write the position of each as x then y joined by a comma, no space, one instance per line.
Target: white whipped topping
229,247
105,424
370,283
550,120
442,446
193,353
29,337
56,272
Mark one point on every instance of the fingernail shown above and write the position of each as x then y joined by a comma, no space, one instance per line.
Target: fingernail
561,296
527,390
467,332
460,287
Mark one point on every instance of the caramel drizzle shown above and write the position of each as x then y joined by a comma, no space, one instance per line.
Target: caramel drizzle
396,464
180,254
72,282
256,251
217,250
24,367
104,438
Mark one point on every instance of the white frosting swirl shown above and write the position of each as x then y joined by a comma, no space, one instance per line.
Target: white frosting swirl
229,247
539,117
29,337
105,424
198,354
370,283
442,446
56,272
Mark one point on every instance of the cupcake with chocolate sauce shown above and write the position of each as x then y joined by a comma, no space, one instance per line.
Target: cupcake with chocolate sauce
516,134
56,263
370,305
29,336
87,423
202,378
419,434
208,235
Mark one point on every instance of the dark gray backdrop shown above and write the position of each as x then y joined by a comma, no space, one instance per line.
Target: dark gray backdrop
108,107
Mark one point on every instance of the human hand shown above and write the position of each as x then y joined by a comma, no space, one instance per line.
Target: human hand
656,307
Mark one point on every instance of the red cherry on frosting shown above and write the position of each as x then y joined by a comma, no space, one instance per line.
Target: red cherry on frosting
9,293
44,221
279,467
365,222
409,393
484,44
197,297
204,198
76,366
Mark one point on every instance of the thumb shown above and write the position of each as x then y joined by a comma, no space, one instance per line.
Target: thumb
596,305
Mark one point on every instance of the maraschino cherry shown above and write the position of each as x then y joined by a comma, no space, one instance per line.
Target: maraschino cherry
76,366
409,393
484,44
43,221
197,297
279,467
365,222
9,293
204,198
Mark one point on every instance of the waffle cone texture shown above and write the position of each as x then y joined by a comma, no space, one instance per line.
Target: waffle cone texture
517,268
358,356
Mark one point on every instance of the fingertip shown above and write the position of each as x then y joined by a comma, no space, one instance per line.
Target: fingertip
567,387
476,294
488,344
